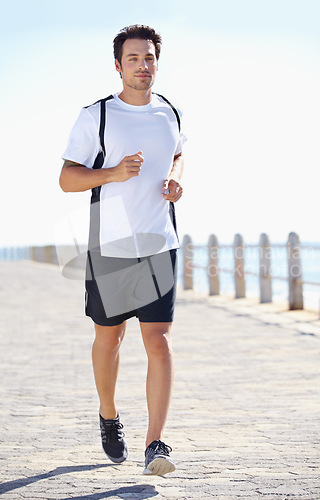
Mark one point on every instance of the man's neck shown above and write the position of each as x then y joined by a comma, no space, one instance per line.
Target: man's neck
136,97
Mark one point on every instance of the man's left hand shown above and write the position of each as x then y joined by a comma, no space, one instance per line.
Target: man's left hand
172,190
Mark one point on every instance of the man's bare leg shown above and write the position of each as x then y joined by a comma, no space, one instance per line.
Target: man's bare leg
157,342
106,359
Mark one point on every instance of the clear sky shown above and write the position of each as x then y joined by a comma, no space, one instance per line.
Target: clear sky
245,73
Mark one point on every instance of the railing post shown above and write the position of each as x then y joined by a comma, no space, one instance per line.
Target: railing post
294,273
213,265
239,277
44,254
187,251
264,269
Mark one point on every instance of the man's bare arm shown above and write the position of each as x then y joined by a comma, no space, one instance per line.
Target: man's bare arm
177,168
172,183
75,177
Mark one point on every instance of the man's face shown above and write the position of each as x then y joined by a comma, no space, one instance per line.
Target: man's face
138,65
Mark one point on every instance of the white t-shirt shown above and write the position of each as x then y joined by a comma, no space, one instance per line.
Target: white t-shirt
134,218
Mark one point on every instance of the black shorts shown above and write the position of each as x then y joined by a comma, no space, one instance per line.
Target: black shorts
118,288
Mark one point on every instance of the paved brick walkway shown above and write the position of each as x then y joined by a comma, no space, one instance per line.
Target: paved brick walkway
244,421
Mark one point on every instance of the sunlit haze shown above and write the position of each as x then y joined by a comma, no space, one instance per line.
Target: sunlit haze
246,79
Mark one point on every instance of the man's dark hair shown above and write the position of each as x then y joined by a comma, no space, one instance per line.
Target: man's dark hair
136,31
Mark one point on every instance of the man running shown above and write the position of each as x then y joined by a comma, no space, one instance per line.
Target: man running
127,149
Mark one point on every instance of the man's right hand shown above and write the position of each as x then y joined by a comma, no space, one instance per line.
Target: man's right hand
129,166
76,177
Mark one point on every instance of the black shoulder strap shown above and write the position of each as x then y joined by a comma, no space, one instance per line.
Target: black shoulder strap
102,119
173,109
99,160
172,211
102,124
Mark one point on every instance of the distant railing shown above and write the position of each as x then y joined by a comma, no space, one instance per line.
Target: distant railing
213,270
48,254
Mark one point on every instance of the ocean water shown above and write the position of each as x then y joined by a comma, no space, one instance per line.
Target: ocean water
310,268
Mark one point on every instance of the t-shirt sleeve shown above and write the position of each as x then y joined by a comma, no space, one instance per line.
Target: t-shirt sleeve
182,137
84,144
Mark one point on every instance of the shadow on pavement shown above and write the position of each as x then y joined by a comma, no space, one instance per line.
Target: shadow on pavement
139,491
24,481
143,490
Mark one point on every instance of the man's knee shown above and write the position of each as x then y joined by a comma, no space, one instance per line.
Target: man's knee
161,346
110,337
157,341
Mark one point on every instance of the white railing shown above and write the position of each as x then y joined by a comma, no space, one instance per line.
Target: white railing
212,267
213,270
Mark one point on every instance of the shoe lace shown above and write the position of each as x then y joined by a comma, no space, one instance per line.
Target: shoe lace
162,448
112,431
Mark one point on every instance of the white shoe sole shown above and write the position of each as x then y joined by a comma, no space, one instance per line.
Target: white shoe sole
159,467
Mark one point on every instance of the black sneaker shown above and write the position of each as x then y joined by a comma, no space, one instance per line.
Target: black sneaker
113,441
158,461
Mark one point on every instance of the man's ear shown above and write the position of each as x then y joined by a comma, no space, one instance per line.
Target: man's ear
117,65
